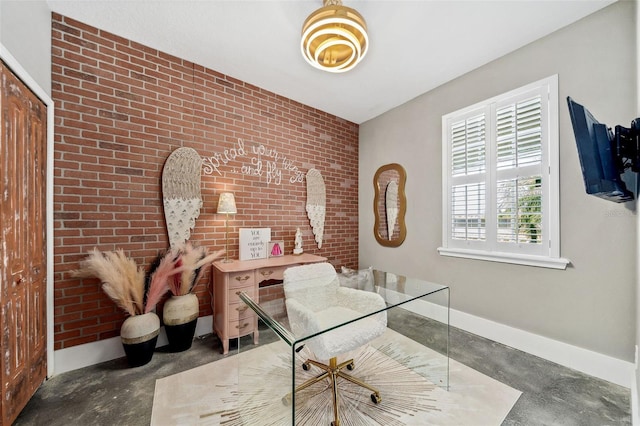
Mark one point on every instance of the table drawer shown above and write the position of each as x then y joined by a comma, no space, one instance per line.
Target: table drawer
274,273
241,279
241,327
232,296
239,311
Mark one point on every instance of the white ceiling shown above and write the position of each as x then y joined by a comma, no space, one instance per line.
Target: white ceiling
415,46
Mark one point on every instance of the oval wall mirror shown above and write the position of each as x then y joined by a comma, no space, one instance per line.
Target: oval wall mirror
390,205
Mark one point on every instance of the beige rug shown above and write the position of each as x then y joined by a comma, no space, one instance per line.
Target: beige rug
410,377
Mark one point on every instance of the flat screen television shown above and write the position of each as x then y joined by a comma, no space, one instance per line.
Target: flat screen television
604,155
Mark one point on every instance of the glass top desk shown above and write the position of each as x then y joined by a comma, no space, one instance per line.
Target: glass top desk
405,363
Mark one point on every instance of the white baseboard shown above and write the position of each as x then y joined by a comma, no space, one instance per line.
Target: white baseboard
593,363
635,421
635,414
105,350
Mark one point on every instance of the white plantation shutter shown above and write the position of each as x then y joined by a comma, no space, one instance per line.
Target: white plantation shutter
468,176
500,178
468,212
519,135
519,124
468,146
519,210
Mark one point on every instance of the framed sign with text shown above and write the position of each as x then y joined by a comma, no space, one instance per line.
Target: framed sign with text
254,243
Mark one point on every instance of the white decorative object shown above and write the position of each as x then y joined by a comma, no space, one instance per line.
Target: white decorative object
254,243
181,193
392,207
316,203
297,242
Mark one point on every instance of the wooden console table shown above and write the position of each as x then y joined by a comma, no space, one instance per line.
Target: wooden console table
231,317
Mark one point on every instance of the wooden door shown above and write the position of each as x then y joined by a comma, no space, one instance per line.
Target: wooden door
22,249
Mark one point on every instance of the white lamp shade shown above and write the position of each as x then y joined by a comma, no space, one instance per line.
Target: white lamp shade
227,203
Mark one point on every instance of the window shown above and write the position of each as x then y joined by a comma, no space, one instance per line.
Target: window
500,178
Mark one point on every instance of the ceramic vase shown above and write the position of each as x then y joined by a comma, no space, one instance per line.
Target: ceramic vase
139,335
180,315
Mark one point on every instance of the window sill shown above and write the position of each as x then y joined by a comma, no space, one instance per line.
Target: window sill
517,259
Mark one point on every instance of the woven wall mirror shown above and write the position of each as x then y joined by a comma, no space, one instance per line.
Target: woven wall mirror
390,205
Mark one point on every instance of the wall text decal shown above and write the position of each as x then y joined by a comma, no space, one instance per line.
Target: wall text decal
259,161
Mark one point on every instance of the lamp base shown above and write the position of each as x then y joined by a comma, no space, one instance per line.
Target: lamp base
227,261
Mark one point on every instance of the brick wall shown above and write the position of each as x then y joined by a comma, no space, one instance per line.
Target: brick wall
122,108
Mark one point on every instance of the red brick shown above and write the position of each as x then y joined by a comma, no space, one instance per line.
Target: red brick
113,136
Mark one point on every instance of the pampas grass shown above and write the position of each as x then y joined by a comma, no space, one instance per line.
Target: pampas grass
193,259
177,270
190,256
183,267
121,278
160,278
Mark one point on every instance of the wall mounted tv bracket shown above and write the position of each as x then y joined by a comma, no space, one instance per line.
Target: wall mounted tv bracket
627,146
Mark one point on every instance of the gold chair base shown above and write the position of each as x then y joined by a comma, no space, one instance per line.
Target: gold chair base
332,372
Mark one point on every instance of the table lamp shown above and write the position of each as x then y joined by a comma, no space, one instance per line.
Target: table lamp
227,205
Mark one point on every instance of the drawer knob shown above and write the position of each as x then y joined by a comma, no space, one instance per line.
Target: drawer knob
242,279
242,326
266,273
242,308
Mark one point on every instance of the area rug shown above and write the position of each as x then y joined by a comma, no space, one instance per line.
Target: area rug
248,389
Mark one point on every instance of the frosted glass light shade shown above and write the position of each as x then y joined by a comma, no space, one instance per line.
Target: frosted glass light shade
227,203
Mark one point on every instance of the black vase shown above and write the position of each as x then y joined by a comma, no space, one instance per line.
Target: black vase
139,335
180,316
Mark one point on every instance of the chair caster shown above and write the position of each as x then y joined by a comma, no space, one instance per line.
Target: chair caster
375,398
351,366
306,366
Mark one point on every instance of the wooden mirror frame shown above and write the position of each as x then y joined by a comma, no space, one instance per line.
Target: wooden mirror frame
379,206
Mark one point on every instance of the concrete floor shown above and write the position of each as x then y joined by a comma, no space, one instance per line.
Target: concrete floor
113,394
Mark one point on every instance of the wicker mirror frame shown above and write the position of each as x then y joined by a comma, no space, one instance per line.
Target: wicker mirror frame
384,175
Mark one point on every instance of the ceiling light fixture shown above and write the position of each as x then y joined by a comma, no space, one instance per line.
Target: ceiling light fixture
334,37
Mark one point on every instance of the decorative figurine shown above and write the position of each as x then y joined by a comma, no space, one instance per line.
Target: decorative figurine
297,243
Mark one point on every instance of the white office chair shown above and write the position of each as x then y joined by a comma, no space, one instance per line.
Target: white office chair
315,302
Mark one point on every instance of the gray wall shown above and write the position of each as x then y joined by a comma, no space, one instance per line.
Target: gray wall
25,30
592,303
